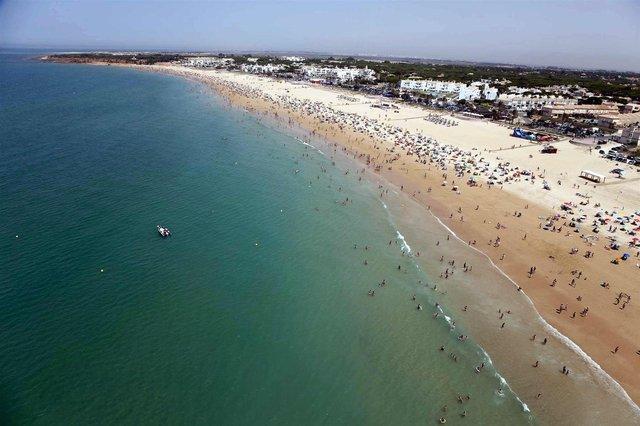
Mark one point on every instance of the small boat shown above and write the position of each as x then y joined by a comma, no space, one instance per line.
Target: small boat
164,232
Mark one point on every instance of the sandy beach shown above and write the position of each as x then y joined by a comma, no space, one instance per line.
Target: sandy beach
487,187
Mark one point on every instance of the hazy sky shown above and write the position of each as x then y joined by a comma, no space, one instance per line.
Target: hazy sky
592,34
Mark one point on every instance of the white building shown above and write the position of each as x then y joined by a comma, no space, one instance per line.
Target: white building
450,89
522,90
489,93
531,102
262,69
341,75
631,108
292,58
207,62
631,136
469,93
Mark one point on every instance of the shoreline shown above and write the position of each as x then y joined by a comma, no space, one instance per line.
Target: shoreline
572,346
603,377
292,129
440,203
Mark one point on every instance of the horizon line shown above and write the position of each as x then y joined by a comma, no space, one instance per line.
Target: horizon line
62,50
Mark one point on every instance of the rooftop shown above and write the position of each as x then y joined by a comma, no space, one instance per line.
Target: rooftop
622,119
607,108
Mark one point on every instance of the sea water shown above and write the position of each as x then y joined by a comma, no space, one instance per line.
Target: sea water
255,311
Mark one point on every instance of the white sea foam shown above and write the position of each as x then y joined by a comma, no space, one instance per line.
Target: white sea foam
311,145
405,247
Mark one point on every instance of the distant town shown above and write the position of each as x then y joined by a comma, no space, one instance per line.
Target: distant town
591,107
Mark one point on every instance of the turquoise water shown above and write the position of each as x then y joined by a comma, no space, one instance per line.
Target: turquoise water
255,311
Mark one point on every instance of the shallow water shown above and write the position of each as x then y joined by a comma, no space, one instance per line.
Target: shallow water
254,311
